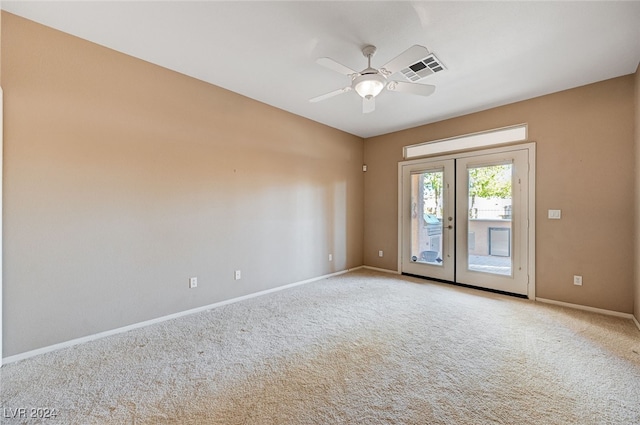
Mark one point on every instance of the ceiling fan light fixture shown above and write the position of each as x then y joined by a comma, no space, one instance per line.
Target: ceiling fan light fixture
369,85
370,82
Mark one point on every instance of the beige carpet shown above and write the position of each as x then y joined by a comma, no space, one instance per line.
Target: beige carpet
361,348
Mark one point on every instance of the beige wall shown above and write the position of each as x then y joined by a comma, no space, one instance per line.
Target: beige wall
123,179
585,167
637,198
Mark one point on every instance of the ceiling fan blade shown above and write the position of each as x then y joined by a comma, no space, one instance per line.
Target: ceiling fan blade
413,88
335,66
368,104
330,94
410,56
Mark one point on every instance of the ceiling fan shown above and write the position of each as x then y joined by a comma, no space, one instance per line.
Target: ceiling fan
369,82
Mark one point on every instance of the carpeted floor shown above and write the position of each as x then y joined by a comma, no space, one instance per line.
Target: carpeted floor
360,348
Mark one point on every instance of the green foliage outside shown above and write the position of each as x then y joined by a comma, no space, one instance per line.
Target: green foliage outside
493,181
433,186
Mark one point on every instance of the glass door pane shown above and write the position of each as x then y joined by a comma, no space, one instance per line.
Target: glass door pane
489,222
426,205
427,217
491,211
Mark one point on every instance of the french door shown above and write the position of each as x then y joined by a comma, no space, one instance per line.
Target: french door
465,219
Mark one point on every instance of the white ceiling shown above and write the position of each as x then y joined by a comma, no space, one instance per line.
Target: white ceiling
495,52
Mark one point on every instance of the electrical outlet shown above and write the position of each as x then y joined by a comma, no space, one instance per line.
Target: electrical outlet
237,275
330,257
380,253
577,280
193,282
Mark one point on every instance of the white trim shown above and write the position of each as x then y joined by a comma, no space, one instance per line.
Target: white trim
399,218
531,148
479,140
636,321
1,215
100,335
378,269
458,155
587,308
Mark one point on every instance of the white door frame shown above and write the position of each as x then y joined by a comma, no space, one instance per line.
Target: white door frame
531,155
1,215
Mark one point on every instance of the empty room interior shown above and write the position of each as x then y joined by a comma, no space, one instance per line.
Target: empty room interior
320,212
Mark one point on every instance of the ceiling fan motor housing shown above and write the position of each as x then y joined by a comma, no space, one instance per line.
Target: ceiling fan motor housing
369,51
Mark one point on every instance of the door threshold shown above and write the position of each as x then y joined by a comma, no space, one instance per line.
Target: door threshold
464,285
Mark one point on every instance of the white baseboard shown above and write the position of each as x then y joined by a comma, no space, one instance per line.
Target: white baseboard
636,322
380,270
587,308
88,338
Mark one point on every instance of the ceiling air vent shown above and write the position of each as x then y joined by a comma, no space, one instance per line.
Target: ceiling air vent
423,68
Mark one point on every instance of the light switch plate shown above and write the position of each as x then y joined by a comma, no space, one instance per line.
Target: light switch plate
555,214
